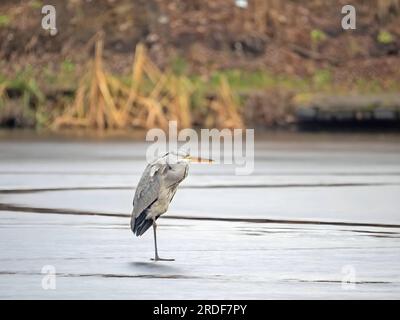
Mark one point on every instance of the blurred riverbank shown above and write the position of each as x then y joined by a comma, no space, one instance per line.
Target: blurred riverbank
206,64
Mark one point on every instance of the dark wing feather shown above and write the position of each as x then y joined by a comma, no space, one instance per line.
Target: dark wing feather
140,224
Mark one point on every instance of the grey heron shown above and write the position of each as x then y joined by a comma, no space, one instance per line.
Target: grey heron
156,189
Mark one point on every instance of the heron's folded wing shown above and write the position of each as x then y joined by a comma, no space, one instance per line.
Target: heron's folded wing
147,190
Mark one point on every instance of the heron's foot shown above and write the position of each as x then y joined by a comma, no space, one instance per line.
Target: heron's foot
161,259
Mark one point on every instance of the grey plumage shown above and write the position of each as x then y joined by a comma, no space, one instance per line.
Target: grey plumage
156,190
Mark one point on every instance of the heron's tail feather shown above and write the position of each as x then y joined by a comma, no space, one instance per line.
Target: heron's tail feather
140,224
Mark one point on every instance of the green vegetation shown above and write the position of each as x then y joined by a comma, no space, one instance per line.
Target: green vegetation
4,21
24,84
179,66
67,66
36,4
31,100
35,90
322,79
385,37
318,36
244,81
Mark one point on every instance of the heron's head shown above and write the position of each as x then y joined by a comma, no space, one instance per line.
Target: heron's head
184,157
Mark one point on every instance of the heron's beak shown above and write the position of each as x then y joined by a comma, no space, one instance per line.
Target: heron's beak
199,160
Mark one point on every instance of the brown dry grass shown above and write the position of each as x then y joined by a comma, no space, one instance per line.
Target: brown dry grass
102,101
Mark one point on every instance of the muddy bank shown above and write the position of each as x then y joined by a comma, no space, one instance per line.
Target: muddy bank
286,37
269,53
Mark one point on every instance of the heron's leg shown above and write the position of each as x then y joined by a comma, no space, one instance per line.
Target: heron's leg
156,257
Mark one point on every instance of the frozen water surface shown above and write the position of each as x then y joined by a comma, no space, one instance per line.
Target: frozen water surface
318,218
